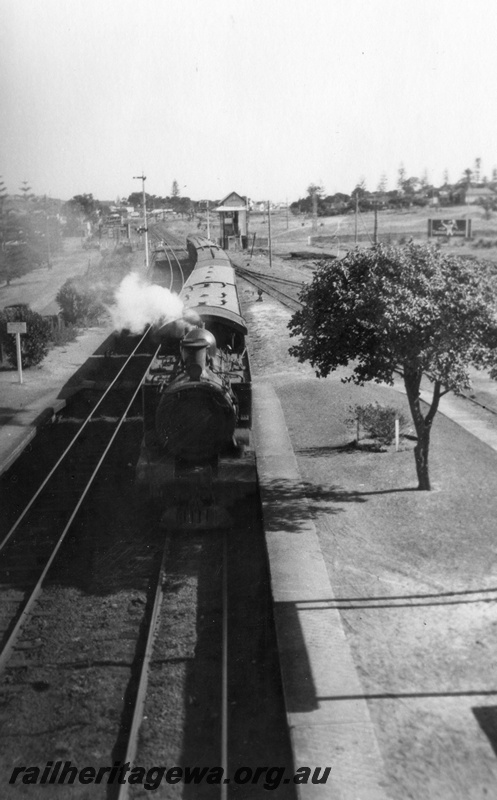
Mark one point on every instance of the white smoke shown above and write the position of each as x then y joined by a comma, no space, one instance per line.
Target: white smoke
139,304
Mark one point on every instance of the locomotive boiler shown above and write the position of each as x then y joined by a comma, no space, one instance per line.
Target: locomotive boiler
196,457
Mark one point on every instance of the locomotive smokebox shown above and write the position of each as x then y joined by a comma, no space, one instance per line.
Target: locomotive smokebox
195,420
196,417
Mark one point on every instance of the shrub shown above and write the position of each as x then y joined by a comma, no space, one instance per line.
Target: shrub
79,303
34,343
378,421
64,334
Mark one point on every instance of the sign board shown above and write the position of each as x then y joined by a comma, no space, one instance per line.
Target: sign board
449,227
16,327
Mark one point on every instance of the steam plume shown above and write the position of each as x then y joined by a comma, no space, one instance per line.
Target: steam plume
139,304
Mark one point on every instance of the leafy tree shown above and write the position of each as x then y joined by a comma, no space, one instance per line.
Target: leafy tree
79,302
314,190
359,189
175,189
16,259
34,343
411,185
135,199
82,208
19,251
413,311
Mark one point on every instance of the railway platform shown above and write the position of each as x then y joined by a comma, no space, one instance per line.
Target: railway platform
26,406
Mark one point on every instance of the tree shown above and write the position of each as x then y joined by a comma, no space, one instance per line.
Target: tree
383,183
16,259
79,302
477,169
26,193
413,311
135,199
360,188
314,190
175,189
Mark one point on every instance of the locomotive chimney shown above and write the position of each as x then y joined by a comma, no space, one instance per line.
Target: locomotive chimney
195,346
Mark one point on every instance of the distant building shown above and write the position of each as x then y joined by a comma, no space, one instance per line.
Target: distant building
479,194
233,222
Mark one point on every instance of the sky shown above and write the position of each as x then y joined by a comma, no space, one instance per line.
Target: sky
261,97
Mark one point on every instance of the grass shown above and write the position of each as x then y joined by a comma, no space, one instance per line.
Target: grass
290,232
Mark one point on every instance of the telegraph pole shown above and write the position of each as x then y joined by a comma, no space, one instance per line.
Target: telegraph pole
47,235
356,214
269,232
143,178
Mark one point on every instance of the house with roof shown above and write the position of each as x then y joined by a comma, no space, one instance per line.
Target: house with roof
233,222
477,195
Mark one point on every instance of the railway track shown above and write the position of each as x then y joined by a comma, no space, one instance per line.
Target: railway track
166,268
92,629
272,286
30,546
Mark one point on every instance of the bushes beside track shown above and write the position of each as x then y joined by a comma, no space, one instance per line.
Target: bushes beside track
34,343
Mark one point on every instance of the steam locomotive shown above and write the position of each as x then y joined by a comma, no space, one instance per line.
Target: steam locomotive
196,457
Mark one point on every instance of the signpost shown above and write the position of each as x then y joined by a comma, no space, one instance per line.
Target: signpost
17,328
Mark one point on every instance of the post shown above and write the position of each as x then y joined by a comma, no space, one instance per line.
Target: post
143,178
17,328
253,243
208,222
269,232
375,234
397,435
47,234
19,357
356,213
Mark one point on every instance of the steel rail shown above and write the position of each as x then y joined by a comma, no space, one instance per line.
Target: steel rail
166,245
159,239
276,279
290,302
69,446
178,263
137,718
31,600
224,671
